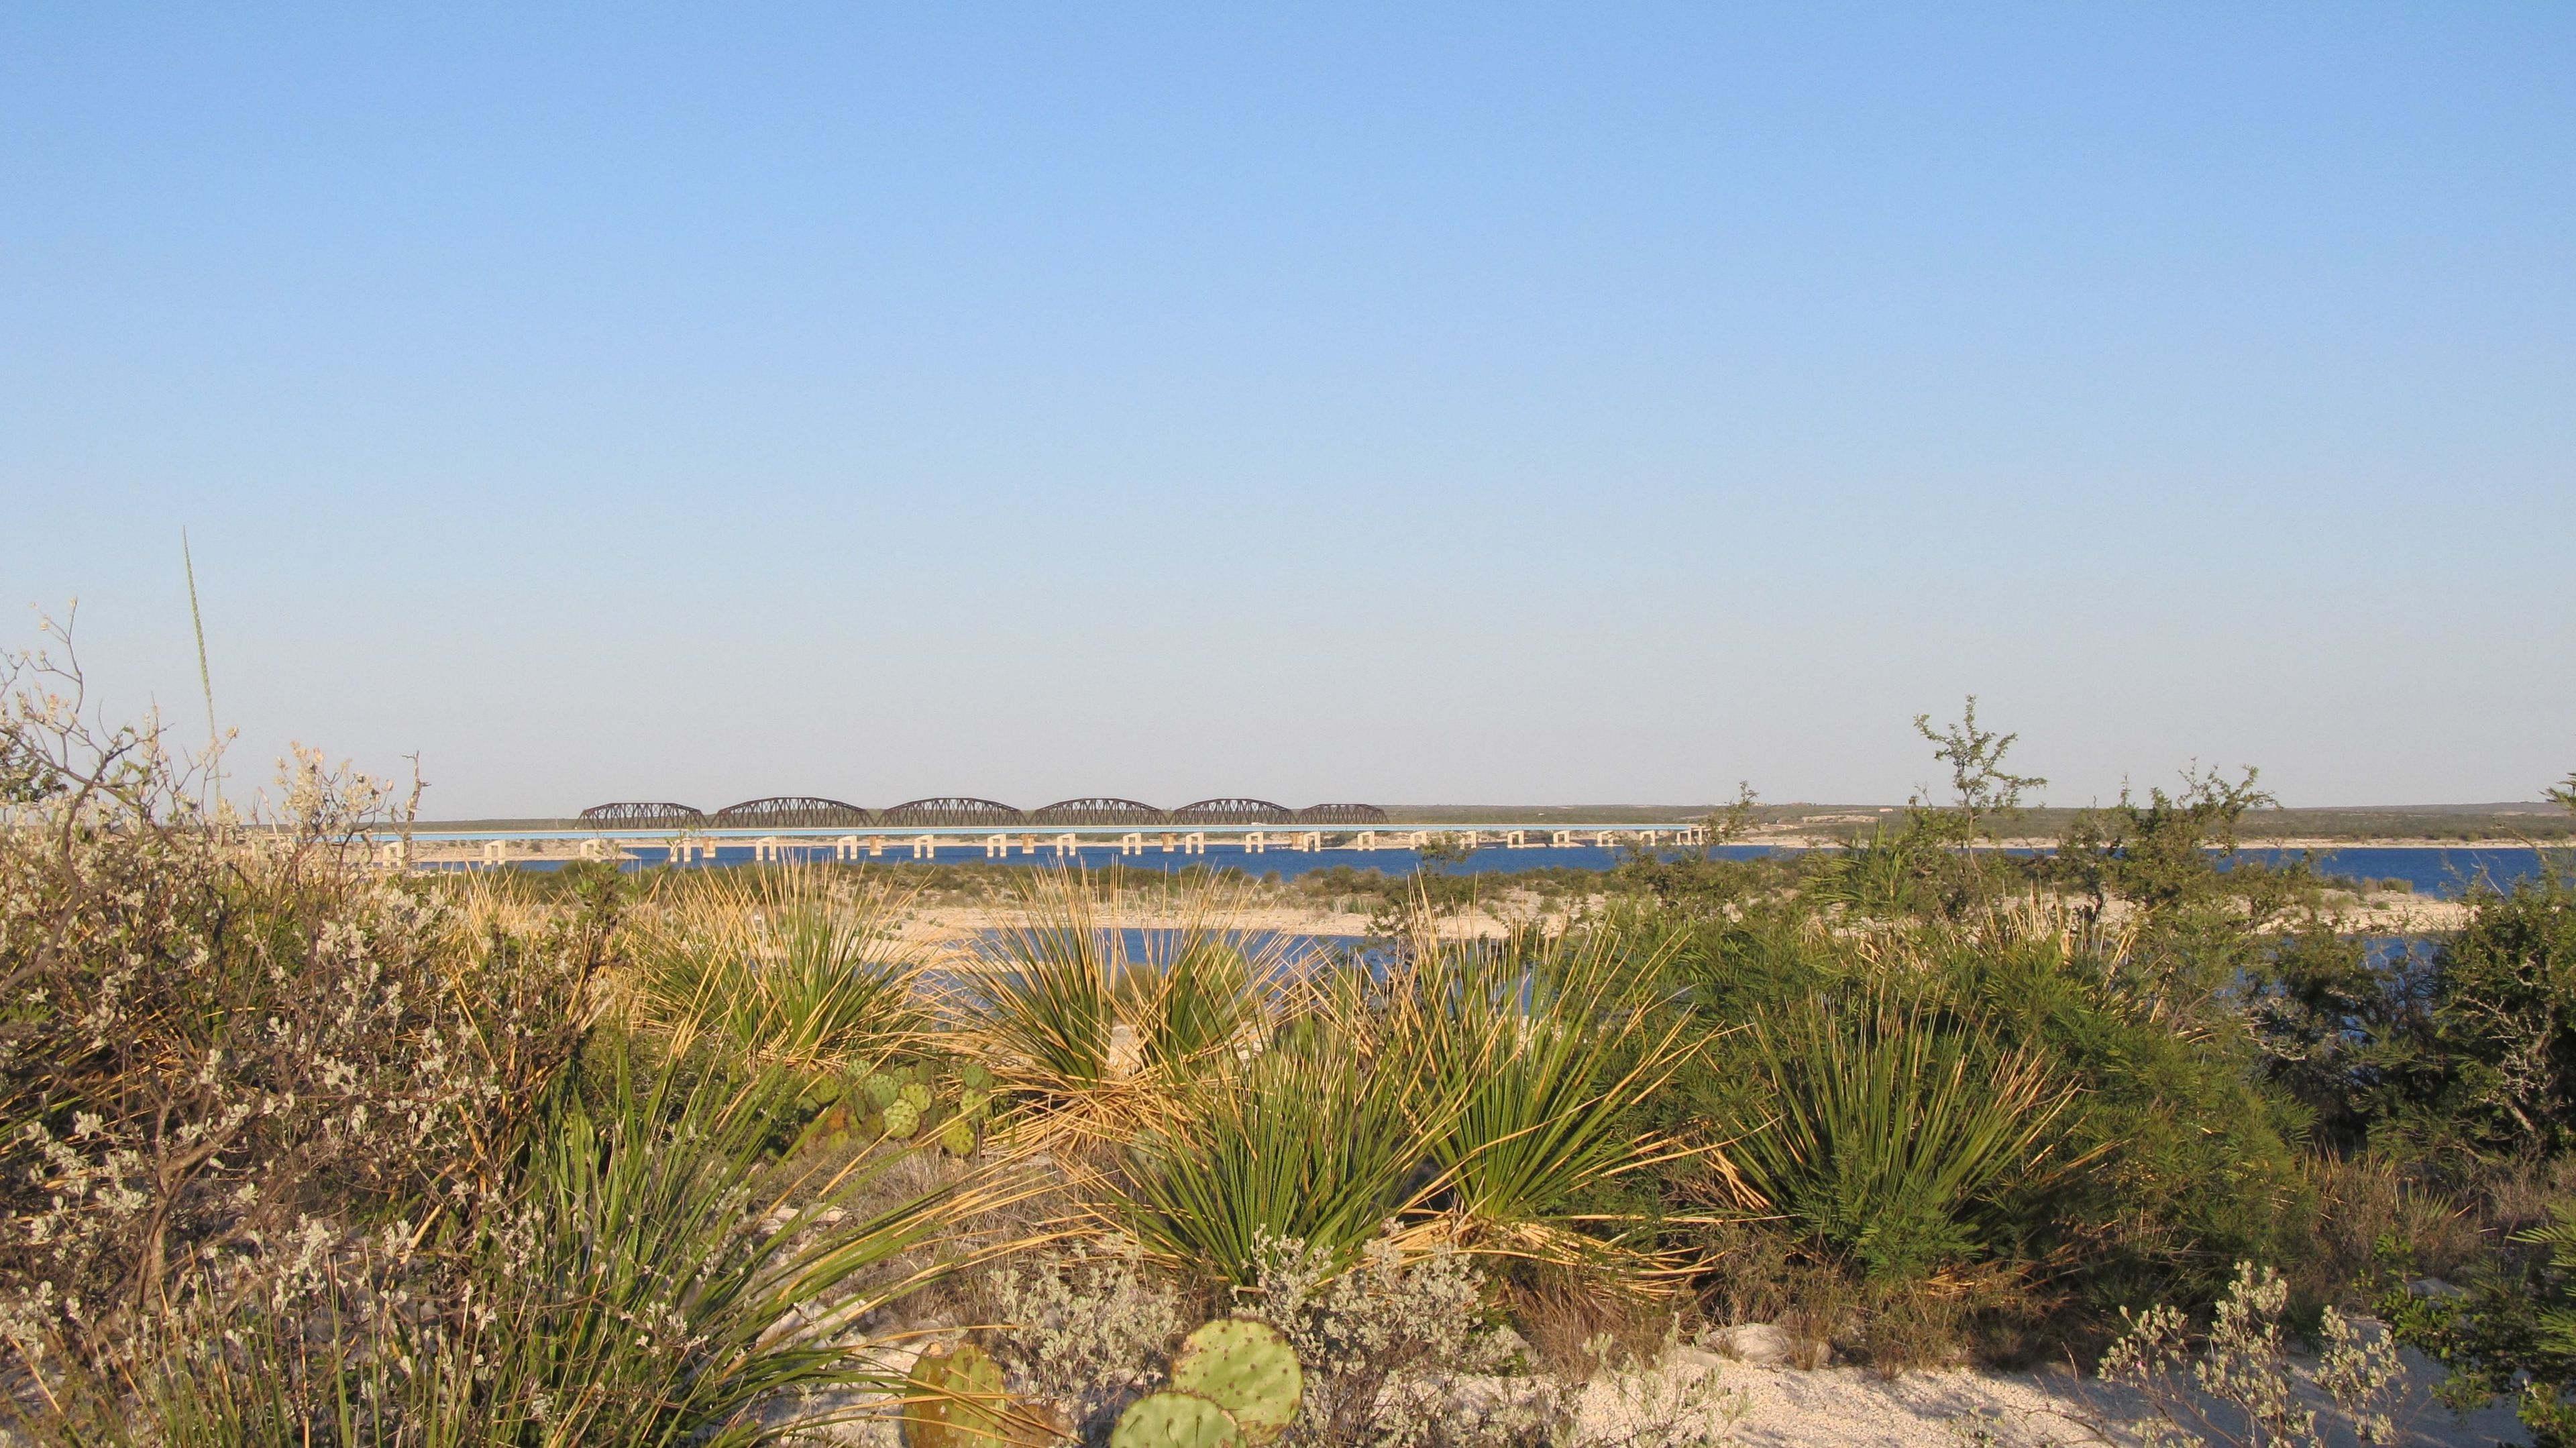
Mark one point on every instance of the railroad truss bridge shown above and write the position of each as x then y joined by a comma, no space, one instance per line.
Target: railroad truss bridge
785,828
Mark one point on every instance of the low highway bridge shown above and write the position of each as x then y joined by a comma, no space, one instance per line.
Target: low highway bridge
711,843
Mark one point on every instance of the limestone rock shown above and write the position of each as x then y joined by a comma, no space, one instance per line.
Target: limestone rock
1759,1343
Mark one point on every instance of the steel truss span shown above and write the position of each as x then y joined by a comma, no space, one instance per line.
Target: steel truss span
1234,812
1103,812
642,814
791,812
806,811
1341,814
952,812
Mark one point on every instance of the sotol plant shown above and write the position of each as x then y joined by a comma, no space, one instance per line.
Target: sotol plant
1235,1384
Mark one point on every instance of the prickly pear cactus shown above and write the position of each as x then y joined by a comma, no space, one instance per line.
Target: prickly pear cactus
1176,1420
974,1077
902,1119
958,1137
917,1094
882,1089
957,1402
1245,1368
973,1102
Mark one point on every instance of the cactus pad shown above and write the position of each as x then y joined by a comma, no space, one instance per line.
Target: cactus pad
1245,1368
917,1094
958,1137
1176,1420
974,1077
973,1102
881,1089
958,1400
902,1119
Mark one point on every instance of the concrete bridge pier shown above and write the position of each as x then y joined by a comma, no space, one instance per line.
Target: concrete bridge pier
1131,844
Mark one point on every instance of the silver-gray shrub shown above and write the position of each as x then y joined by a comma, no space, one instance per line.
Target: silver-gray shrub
224,1049
1386,1345
2239,1387
1089,1331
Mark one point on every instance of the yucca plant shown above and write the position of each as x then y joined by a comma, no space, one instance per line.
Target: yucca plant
1093,1022
1312,1142
782,967
1884,1129
1532,1056
1042,993
1202,992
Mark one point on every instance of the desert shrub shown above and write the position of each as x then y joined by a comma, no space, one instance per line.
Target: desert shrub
644,1277
2496,1057
1381,1342
218,1041
1085,1331
2513,1332
2237,1385
2189,1156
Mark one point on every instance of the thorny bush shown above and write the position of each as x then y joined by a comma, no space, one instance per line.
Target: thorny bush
224,1039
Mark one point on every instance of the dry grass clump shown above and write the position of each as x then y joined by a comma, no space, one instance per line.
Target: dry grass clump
796,967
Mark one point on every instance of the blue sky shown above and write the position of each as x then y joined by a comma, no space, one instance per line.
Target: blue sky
1488,403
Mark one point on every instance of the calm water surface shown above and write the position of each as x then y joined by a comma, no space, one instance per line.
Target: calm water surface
2444,872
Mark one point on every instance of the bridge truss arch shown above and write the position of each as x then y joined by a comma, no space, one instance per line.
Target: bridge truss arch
953,812
792,812
1234,812
1341,814
1103,811
638,814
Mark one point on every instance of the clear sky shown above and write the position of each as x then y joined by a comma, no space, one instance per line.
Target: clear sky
1491,403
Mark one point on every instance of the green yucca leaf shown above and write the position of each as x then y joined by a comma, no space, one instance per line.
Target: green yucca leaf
1311,1143
1886,1127
1546,1046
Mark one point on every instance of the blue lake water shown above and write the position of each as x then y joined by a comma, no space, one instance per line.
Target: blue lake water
2445,872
